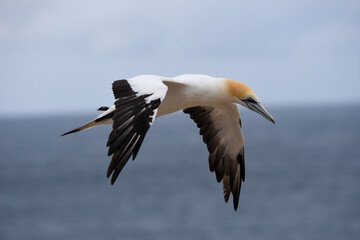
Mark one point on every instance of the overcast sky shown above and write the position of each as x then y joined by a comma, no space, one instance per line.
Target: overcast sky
62,56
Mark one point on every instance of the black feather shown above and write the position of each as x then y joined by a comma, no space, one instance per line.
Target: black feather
230,171
103,108
132,118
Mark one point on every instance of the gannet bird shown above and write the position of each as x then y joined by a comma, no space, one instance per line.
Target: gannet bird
210,102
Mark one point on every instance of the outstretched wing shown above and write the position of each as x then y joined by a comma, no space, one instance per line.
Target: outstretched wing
136,105
220,127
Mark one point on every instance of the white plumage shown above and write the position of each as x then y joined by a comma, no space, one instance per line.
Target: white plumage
210,102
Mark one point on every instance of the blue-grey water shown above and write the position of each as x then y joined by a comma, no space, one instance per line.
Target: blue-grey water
302,180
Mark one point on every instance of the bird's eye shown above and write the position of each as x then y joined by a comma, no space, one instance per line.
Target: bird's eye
250,100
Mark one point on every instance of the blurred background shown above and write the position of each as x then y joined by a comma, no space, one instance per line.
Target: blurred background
59,58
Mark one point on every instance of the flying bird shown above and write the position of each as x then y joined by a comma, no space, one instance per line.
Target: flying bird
210,102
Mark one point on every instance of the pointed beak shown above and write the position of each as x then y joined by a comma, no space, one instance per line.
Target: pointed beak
257,107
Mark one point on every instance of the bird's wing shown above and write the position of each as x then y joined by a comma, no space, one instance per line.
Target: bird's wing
220,127
136,105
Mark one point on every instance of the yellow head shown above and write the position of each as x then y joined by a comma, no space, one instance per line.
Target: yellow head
246,97
239,90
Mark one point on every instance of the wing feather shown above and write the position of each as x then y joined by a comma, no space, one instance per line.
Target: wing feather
136,105
220,127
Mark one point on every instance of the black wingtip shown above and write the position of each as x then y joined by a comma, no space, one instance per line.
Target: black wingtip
103,108
72,131
236,201
236,198
235,207
113,178
108,173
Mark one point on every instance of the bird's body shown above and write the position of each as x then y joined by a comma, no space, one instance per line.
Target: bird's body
184,92
209,101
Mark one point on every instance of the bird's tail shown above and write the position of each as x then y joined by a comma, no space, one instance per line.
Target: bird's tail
101,119
90,124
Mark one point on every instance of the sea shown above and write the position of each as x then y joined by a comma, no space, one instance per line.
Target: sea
302,180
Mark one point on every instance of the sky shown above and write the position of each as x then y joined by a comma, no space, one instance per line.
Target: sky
62,56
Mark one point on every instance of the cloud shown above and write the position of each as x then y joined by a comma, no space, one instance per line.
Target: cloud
278,47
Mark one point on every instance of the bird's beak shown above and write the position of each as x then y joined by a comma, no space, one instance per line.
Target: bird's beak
257,107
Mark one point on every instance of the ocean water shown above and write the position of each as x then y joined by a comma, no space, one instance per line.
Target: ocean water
302,180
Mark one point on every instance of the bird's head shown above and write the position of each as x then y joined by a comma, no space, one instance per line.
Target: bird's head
246,97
